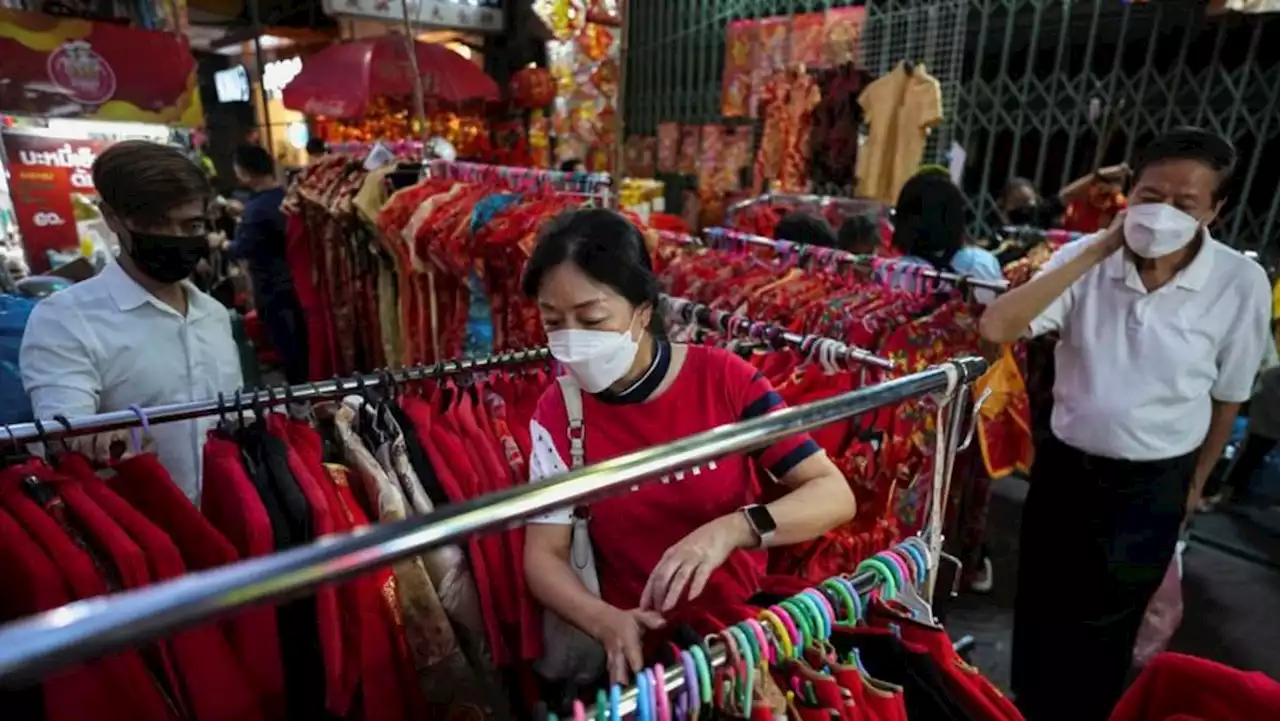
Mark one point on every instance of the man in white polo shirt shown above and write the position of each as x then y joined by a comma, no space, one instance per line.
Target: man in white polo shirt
139,333
1162,332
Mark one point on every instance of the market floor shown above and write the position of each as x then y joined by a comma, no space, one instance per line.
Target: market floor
1229,612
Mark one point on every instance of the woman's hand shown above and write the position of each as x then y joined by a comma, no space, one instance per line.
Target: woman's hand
622,634
690,563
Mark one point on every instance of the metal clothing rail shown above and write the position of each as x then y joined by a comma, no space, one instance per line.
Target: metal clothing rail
521,177
851,205
674,679
831,255
261,397
743,327
84,630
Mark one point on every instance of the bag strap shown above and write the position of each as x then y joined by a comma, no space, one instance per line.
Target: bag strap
573,407
572,394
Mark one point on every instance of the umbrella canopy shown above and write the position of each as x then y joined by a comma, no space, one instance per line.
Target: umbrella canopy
341,80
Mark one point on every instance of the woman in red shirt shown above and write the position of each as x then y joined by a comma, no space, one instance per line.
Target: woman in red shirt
697,533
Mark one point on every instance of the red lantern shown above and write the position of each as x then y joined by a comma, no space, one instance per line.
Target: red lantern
533,88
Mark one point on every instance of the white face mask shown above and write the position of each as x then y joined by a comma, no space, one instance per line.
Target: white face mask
1155,229
595,358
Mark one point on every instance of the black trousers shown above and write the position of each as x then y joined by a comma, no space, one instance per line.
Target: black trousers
282,317
1097,537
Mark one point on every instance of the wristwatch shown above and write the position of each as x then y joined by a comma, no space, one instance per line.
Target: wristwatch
761,523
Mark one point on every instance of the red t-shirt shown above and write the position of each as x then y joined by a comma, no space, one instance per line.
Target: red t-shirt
630,532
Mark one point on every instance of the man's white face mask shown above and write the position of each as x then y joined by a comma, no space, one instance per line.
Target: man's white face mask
1152,230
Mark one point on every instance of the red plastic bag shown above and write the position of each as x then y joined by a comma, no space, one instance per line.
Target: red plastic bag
1164,613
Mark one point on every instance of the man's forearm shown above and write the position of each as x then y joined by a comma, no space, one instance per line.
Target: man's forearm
1220,424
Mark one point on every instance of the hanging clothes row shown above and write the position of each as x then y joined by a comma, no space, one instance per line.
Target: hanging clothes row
422,638
888,459
858,647
426,271
831,353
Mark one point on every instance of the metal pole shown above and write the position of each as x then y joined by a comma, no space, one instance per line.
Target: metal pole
942,490
39,645
419,95
619,149
255,21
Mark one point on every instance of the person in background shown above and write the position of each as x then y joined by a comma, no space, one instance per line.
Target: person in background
860,235
573,165
138,333
929,229
260,240
1021,204
1163,329
316,149
801,227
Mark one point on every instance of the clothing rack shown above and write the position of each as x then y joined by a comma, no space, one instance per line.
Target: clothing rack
740,326
848,206
260,397
1030,234
36,646
674,679
836,257
523,178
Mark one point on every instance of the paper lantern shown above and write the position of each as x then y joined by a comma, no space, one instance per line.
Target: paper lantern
533,88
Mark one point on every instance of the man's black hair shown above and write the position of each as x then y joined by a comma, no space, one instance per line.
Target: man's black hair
799,227
254,160
570,165
316,146
1188,143
859,234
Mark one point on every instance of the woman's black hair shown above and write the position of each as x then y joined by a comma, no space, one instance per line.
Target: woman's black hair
859,234
570,165
607,247
929,221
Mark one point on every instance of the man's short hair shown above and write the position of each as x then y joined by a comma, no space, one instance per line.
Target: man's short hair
859,234
142,181
800,227
1188,143
254,160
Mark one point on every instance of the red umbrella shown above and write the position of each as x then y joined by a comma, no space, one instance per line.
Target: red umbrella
341,80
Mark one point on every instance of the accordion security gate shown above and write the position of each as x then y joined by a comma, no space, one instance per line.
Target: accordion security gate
1028,85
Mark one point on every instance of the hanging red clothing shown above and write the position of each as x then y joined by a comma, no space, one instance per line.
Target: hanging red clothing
1176,686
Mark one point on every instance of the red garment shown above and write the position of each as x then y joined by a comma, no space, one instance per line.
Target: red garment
631,532
965,683
133,692
1175,686
217,686
338,694
146,485
231,502
306,284
369,653
32,584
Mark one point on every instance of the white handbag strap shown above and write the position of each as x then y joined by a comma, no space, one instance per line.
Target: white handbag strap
573,408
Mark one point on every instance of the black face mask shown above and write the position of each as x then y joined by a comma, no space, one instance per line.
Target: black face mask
167,258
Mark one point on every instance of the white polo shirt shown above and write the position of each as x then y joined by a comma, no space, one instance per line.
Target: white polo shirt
1136,370
106,343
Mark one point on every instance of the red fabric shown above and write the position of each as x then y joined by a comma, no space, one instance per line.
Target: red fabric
230,501
217,686
146,485
965,683
132,692
32,584
1176,686
338,694
632,531
306,284
369,654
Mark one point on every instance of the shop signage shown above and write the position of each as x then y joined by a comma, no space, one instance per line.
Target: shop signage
72,68
474,15
44,172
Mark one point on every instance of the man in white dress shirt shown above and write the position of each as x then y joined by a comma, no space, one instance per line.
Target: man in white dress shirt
139,333
1162,330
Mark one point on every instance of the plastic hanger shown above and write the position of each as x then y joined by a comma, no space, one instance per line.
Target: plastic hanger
134,434
615,702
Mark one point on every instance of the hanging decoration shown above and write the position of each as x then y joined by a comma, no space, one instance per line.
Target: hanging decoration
533,88
585,59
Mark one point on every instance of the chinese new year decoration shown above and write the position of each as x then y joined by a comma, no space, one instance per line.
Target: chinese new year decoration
533,88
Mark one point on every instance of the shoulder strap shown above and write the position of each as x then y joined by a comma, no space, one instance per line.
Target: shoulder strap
573,408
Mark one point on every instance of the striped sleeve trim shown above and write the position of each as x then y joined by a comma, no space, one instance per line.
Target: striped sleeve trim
768,402
794,457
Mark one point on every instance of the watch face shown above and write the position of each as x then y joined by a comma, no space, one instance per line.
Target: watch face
761,520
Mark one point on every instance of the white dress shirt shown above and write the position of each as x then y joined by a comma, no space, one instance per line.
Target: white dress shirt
106,343
1136,370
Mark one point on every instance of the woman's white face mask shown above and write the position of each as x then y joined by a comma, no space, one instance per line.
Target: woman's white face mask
1152,230
595,358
